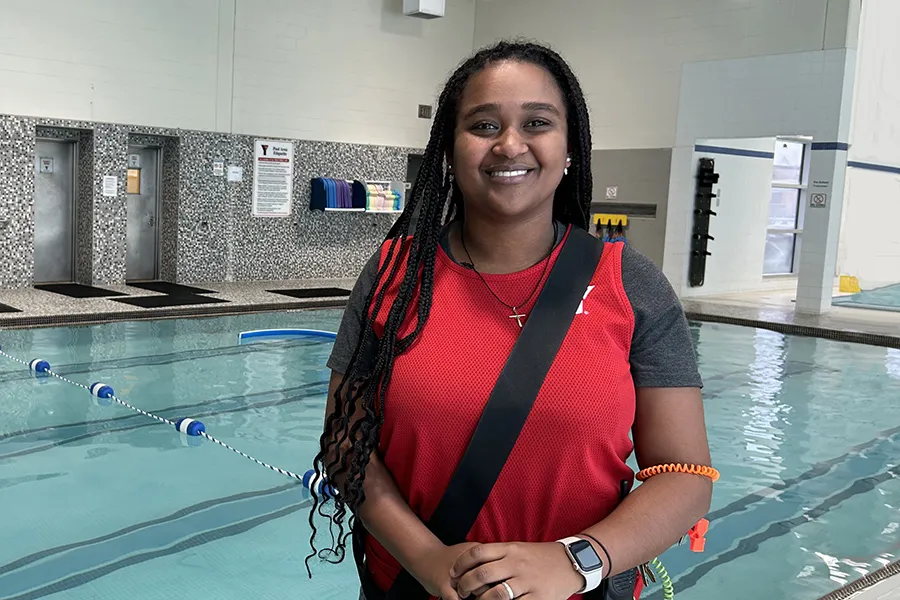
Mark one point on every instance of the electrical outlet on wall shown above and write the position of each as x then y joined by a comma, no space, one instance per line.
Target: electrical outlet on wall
424,111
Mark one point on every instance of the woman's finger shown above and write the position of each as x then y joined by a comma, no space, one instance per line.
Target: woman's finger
480,579
511,589
477,555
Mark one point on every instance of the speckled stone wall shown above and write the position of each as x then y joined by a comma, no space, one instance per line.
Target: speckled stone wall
84,210
208,233
220,240
17,147
313,244
203,210
171,192
110,218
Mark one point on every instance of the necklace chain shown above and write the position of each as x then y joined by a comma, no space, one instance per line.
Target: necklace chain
518,316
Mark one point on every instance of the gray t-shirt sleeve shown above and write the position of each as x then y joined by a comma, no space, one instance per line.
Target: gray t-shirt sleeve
353,322
662,348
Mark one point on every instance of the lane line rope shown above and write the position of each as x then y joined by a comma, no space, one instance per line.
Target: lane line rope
199,432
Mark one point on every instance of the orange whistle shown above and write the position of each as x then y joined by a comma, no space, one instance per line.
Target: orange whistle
698,535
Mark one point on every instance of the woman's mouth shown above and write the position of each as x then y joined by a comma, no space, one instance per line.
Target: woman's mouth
509,176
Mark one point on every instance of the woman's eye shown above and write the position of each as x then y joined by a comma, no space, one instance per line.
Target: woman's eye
484,126
537,123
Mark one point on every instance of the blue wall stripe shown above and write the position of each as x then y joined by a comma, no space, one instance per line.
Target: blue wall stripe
873,167
734,151
830,146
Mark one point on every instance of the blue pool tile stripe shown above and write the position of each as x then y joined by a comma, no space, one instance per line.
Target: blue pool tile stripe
733,151
839,146
752,543
740,533
88,434
817,470
112,397
179,514
207,407
866,166
168,358
77,579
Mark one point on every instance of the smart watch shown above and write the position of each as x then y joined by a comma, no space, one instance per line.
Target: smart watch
585,560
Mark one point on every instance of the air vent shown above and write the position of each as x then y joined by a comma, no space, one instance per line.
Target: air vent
423,9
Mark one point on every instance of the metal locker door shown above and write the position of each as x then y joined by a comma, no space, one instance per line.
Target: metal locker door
142,234
54,212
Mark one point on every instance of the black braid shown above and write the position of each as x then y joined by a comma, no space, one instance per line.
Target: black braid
438,200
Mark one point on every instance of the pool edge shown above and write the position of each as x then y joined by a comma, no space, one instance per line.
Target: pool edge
95,318
168,313
865,582
841,335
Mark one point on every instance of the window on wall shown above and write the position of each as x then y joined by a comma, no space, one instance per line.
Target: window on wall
785,229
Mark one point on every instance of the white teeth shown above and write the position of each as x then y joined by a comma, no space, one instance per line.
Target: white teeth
508,173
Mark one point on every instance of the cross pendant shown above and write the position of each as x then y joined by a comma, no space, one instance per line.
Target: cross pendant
518,317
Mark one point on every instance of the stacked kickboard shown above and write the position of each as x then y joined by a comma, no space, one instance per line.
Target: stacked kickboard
332,194
338,194
382,198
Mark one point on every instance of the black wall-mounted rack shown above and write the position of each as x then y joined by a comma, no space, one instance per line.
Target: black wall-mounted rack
700,238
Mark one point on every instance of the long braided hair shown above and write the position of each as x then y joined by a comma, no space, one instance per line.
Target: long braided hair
347,442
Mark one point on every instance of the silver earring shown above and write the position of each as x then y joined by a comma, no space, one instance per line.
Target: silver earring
566,171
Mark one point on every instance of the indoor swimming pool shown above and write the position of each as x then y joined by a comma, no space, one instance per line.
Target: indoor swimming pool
101,503
883,298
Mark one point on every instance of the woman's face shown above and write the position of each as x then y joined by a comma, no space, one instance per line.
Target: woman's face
511,141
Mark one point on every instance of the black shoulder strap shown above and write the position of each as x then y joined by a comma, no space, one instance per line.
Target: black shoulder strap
516,389
511,400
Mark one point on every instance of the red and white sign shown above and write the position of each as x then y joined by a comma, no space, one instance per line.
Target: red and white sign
273,178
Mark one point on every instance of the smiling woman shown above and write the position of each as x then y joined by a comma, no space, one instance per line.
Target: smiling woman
443,393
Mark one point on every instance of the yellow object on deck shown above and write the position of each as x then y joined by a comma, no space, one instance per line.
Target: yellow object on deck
849,284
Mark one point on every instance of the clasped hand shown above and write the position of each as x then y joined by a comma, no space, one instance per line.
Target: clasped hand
537,571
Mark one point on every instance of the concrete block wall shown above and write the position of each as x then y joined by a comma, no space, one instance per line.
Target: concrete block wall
742,211
629,55
869,246
331,71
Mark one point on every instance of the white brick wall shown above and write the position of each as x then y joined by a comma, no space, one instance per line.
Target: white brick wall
340,70
343,70
132,61
742,218
870,242
790,94
629,55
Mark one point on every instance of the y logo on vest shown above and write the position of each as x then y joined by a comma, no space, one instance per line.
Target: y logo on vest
587,293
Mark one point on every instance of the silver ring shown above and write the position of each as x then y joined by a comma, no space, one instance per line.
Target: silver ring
509,590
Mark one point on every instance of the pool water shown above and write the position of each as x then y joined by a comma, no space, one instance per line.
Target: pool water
883,298
101,503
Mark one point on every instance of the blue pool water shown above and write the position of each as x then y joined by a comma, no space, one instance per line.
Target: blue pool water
103,504
883,298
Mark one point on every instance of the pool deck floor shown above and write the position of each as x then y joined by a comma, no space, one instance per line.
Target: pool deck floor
776,311
771,310
39,308
883,584
889,589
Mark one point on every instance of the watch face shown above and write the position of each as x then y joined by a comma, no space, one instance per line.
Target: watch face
585,555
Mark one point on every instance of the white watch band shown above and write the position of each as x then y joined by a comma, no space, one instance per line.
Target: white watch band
592,579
